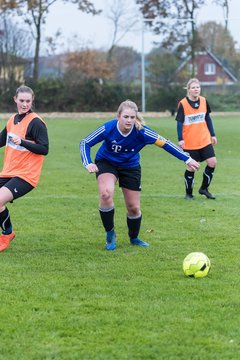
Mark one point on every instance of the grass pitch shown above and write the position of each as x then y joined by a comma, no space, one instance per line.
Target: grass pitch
64,297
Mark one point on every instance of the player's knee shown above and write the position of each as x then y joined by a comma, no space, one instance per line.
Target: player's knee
212,162
134,210
106,196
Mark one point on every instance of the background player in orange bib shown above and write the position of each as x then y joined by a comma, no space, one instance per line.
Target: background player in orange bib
196,136
25,139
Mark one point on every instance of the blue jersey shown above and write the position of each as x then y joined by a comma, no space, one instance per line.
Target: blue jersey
122,150
117,148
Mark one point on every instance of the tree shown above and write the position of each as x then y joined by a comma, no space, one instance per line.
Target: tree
126,63
220,42
161,68
87,65
225,5
176,23
35,12
162,92
217,39
123,18
15,44
6,5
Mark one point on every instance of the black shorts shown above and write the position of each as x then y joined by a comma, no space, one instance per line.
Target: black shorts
202,154
128,178
16,185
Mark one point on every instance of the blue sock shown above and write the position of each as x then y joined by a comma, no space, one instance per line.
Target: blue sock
7,231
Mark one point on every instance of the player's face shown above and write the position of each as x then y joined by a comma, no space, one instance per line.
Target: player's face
194,91
126,120
24,102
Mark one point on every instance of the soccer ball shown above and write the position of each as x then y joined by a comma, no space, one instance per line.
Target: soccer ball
196,264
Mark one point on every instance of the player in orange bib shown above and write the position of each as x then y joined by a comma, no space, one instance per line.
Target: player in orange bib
196,136
25,139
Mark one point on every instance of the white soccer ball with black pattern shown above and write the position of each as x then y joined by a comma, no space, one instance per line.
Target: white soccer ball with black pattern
196,264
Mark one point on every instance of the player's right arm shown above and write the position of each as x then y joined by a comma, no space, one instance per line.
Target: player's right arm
92,139
180,119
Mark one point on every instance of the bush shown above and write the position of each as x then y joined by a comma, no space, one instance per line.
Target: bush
59,94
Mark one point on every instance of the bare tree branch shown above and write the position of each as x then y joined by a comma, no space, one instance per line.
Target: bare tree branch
35,13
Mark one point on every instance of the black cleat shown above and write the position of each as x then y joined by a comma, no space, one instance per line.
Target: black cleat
189,197
206,193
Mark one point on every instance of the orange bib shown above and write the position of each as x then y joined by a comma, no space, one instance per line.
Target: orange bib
18,161
195,131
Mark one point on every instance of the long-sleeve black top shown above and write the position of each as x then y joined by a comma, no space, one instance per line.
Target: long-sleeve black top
36,131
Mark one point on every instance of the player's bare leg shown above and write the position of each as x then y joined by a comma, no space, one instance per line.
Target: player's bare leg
134,216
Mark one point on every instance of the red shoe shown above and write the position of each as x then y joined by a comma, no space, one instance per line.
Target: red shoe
5,240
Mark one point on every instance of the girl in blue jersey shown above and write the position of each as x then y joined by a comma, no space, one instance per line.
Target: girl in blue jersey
118,159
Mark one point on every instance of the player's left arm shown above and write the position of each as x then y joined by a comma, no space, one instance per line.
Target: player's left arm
210,128
174,150
36,139
210,124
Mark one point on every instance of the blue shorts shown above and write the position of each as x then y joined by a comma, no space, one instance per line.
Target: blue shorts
128,178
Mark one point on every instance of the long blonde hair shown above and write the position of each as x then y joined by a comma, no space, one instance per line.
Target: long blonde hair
139,123
190,82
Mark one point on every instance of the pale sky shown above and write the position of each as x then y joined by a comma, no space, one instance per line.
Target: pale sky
96,31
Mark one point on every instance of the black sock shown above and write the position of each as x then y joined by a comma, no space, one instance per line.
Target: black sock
134,225
5,222
107,216
207,177
189,181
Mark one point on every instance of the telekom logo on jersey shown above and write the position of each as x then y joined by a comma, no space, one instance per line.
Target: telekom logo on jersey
116,148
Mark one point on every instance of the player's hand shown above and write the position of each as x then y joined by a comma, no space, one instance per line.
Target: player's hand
181,144
193,165
16,140
214,140
92,168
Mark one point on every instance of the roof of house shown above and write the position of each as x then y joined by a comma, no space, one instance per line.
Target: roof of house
214,58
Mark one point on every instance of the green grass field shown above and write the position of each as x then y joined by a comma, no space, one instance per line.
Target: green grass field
64,297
